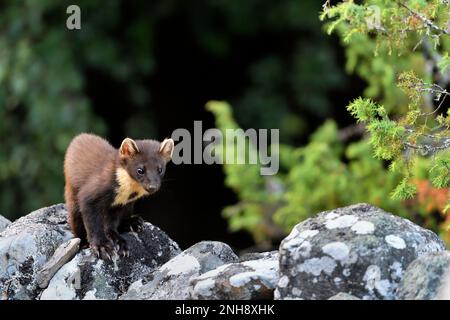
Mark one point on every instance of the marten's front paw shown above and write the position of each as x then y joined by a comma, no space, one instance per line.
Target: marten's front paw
137,224
103,249
120,244
134,224
123,248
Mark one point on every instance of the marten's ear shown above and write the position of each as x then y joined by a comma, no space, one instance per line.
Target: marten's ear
166,149
128,148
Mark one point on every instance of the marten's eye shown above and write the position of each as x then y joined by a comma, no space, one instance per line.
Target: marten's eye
140,171
159,169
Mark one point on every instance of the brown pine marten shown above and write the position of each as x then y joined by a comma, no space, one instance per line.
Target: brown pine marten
102,183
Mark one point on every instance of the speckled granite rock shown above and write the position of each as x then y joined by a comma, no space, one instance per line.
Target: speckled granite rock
360,250
247,280
427,278
171,280
87,277
25,246
4,223
343,296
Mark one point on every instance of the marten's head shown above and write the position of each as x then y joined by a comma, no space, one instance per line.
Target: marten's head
145,162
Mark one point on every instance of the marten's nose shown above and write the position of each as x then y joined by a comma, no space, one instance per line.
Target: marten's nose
151,188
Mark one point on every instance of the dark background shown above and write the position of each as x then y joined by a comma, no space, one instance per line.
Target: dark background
189,204
144,68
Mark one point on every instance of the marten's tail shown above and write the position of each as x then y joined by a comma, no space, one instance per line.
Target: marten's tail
74,215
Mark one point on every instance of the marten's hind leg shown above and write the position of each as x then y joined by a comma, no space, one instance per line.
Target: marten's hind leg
74,216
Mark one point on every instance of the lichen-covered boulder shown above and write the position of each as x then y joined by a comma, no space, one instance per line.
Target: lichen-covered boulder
26,245
87,277
4,223
247,280
171,280
427,278
359,250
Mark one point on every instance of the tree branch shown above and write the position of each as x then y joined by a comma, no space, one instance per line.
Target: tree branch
424,19
351,131
428,148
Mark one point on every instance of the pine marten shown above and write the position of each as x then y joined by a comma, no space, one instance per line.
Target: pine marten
102,184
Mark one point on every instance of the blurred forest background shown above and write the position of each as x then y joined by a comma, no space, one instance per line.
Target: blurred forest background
144,68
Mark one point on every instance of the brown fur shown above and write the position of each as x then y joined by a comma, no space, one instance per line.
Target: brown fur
102,183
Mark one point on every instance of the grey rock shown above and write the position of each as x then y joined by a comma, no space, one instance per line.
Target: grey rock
87,277
171,280
343,296
62,255
4,223
360,250
273,255
25,246
247,280
427,278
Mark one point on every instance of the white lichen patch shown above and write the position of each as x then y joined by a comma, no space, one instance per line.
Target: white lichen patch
296,292
268,276
181,264
316,266
276,294
395,241
363,227
136,286
262,264
90,295
115,259
308,234
241,279
372,275
303,250
98,265
18,249
331,215
384,288
284,281
204,287
344,221
396,270
296,238
337,250
373,281
265,270
292,243
292,235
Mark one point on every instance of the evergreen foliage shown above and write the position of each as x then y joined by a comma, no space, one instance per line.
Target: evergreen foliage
413,38
401,49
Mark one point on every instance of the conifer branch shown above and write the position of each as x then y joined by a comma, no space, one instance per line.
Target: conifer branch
424,19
